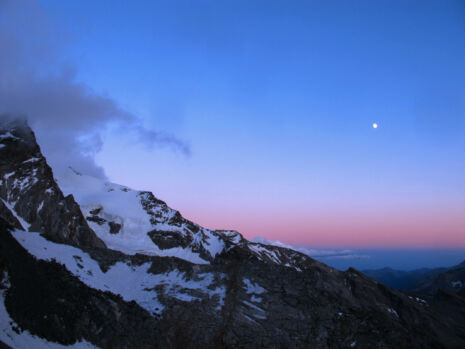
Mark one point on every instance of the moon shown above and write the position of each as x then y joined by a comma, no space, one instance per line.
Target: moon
375,125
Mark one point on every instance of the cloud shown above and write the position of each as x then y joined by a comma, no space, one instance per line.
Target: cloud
314,253
68,117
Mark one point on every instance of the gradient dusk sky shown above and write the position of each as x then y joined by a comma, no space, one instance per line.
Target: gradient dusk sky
276,101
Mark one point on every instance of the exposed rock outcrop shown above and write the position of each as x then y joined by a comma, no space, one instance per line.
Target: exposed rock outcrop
28,189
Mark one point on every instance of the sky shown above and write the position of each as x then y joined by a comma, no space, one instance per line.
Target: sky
256,115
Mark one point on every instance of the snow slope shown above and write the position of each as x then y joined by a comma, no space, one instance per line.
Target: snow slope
131,282
138,213
148,226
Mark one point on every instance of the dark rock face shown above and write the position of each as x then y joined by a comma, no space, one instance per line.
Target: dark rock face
62,309
96,211
169,239
308,309
450,281
27,185
4,346
444,292
270,297
6,214
96,219
114,227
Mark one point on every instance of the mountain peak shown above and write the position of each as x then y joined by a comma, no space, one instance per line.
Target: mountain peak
29,193
118,268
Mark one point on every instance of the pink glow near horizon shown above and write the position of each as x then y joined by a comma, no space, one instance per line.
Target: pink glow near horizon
419,229
346,221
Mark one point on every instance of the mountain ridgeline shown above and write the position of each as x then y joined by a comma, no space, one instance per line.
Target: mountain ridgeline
418,279
85,263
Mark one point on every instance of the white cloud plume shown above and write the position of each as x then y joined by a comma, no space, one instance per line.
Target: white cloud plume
68,117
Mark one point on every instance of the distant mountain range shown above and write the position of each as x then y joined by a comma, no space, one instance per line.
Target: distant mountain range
416,280
85,263
452,281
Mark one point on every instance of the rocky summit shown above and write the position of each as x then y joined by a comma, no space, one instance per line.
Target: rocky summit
85,263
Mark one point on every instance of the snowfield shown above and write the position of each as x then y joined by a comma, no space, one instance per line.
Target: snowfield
131,282
124,206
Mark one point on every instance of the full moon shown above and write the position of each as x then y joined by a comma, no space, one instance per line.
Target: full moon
375,125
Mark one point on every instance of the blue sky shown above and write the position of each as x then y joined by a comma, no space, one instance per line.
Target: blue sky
276,100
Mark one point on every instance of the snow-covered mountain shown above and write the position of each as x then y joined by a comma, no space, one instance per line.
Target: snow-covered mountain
314,253
87,263
133,221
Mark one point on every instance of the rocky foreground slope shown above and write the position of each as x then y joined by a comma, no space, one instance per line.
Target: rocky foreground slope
110,267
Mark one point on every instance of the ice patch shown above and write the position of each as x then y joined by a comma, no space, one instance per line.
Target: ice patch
457,284
8,175
419,300
5,280
233,236
252,287
249,318
23,223
262,251
392,311
260,312
214,244
40,206
7,135
31,160
25,182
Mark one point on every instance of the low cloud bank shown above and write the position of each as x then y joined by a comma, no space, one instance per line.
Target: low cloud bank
314,253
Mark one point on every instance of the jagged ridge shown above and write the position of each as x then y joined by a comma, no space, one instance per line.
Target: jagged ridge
241,294
29,192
